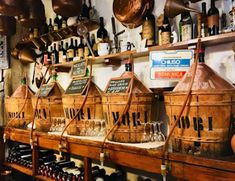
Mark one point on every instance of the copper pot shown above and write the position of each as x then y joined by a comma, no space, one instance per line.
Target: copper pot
7,25
34,14
11,7
67,8
131,13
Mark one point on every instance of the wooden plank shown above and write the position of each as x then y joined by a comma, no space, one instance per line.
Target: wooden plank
22,136
20,168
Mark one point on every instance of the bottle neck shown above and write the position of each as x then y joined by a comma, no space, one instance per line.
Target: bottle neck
212,3
71,42
23,81
101,22
204,8
128,67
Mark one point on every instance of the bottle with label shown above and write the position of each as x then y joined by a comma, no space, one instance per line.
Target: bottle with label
76,48
62,52
81,49
46,57
35,33
54,55
204,26
165,31
213,20
102,33
50,27
66,50
70,51
148,29
57,23
90,10
64,22
186,26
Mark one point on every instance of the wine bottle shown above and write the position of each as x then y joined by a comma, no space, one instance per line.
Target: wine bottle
62,53
81,49
66,49
44,29
186,26
64,22
204,26
57,23
85,11
70,51
50,27
30,33
54,55
148,29
90,10
76,48
201,56
165,31
102,34
213,19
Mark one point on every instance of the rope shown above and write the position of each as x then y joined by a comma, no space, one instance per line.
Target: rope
82,105
165,152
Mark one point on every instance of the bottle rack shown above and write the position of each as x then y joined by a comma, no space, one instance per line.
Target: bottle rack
59,35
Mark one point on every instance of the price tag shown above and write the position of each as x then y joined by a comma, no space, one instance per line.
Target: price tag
45,90
79,69
77,86
118,85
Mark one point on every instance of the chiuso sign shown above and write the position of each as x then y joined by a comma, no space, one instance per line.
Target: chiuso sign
170,64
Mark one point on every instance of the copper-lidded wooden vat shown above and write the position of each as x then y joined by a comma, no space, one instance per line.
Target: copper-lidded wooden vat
89,114
67,8
131,128
49,108
19,107
205,126
34,14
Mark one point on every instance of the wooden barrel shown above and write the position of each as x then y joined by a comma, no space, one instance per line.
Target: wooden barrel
91,111
131,128
205,127
14,105
49,108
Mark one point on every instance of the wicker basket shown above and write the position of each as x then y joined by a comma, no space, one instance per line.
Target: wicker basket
92,110
49,108
14,105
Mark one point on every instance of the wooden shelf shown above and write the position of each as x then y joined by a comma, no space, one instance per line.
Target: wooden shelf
20,168
183,166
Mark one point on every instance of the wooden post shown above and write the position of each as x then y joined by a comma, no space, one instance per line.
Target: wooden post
87,169
35,160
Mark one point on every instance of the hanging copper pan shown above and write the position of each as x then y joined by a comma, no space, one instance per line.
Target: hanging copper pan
11,7
7,25
34,14
131,13
67,8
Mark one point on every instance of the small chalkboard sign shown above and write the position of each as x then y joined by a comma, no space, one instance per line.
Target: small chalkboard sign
45,90
118,85
77,86
79,69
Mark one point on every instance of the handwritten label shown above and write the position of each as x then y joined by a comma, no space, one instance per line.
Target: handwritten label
79,69
77,86
45,90
118,86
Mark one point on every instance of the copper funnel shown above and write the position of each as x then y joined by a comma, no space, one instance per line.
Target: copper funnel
27,55
11,7
67,8
7,25
175,7
206,79
15,53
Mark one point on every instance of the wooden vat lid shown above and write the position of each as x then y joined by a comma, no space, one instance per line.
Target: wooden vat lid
206,79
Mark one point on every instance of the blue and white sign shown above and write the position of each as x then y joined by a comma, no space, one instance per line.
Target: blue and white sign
170,64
